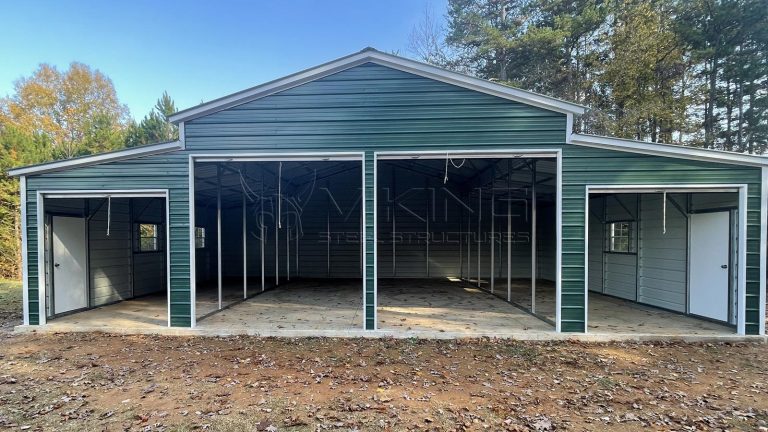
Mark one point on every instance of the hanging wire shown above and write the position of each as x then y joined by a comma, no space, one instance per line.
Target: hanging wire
664,214
109,213
280,195
448,159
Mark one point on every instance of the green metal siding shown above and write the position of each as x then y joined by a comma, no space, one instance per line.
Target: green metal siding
372,108
582,166
169,171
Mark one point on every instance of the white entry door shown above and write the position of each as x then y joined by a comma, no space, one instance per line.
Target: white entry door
70,290
708,265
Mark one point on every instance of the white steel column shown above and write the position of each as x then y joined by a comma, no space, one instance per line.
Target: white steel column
277,230
533,239
218,231
245,250
288,253
261,236
479,227
509,249
493,240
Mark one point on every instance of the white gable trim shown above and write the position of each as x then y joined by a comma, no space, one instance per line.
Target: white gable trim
370,55
129,153
668,150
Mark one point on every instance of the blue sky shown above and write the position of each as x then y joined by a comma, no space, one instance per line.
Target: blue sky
196,50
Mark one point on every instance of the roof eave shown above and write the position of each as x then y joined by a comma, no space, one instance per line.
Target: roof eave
395,62
130,153
668,150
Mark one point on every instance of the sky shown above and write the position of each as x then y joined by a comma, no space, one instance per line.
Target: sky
196,50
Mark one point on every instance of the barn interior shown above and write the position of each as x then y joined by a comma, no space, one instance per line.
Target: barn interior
105,261
668,258
466,245
281,241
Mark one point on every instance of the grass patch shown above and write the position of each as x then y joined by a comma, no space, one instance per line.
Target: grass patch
522,351
10,303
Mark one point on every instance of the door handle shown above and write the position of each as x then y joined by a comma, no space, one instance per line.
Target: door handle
56,265
724,266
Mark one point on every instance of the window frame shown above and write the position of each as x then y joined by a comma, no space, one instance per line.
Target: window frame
158,237
630,237
203,237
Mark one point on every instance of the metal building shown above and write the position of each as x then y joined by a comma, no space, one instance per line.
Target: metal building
375,193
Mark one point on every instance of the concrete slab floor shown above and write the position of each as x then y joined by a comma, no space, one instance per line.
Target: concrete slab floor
426,308
442,305
148,312
296,305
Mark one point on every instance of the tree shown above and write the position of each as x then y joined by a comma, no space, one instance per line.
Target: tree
65,106
155,126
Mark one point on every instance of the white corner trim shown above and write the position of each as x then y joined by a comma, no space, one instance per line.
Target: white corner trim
192,247
24,263
377,57
129,153
559,251
182,136
668,150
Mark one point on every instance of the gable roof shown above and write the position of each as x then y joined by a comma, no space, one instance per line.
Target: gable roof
668,150
117,155
370,55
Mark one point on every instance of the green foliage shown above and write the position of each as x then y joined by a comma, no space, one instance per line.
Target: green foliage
691,72
155,127
57,115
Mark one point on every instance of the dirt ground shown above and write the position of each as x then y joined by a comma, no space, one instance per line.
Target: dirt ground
83,382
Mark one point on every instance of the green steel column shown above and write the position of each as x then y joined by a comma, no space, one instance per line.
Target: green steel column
369,267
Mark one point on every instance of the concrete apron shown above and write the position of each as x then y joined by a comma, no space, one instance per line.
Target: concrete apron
404,334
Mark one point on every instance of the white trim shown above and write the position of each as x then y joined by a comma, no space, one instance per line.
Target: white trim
370,55
569,128
97,193
656,188
130,153
279,157
559,246
182,136
741,323
89,193
42,318
668,150
468,154
167,252
24,268
763,244
621,189
192,247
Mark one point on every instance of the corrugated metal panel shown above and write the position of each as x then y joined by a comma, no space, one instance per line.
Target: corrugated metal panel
620,269
596,243
109,256
662,257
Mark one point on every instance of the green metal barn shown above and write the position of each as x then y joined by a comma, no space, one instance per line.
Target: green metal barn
376,195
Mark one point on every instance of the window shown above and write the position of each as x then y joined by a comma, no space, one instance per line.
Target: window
149,238
620,237
199,238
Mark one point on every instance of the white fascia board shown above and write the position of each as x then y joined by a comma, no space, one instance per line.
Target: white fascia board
668,150
130,153
392,61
